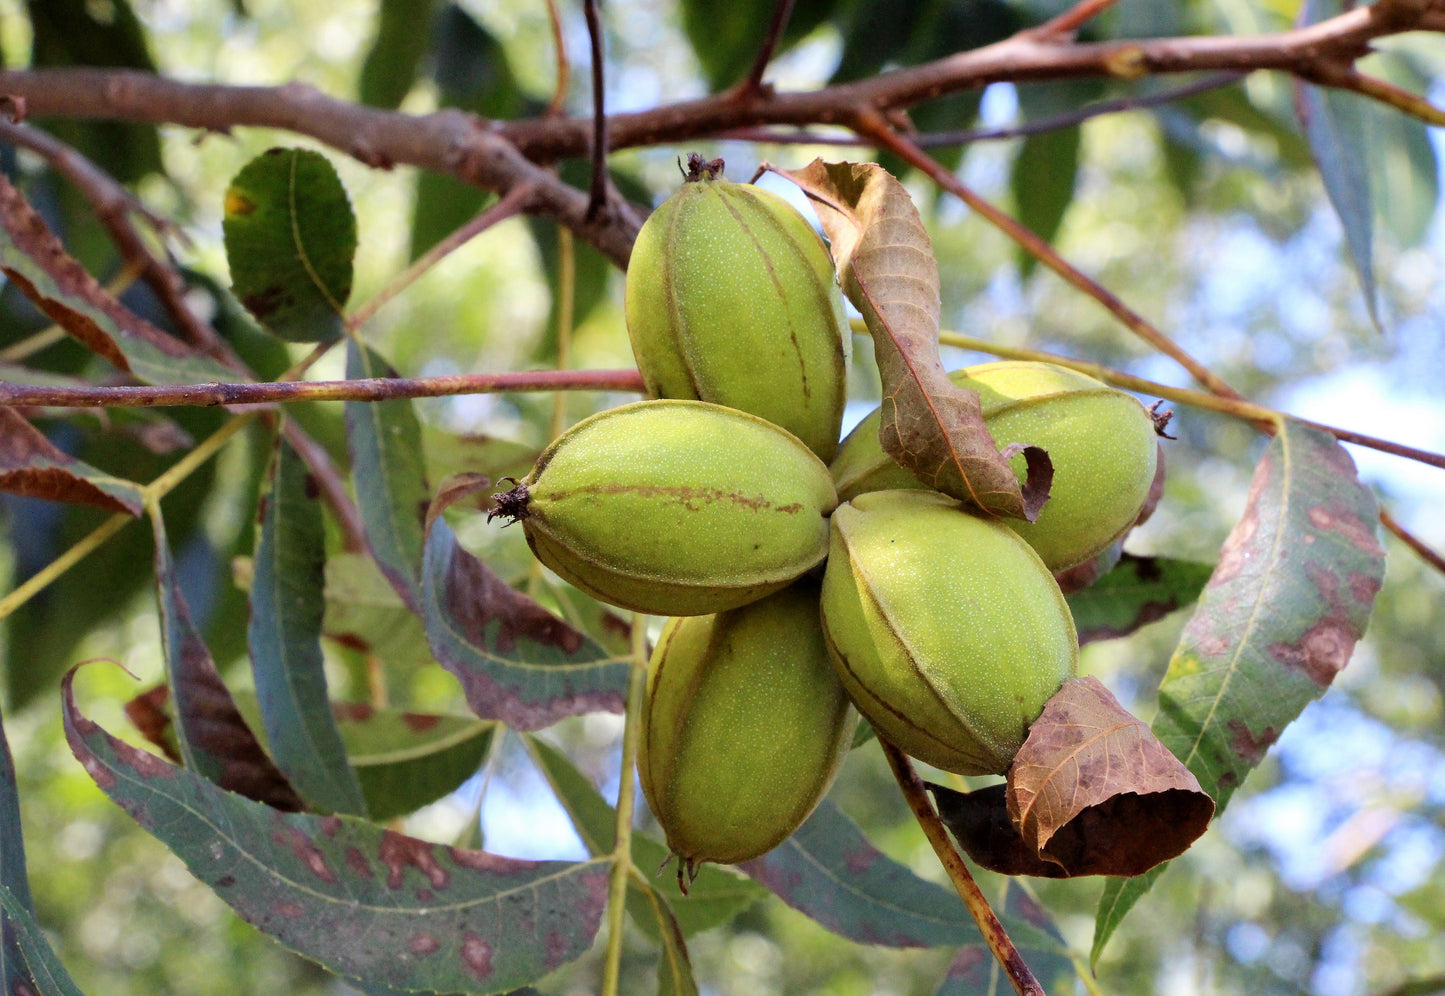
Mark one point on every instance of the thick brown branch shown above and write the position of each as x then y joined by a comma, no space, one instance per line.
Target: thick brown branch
364,389
500,155
449,141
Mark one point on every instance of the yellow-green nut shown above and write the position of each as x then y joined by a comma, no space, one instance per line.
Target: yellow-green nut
675,507
744,727
1101,441
947,630
731,298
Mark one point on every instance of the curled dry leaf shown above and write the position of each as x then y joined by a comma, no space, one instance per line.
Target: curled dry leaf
886,267
1092,792
33,259
32,465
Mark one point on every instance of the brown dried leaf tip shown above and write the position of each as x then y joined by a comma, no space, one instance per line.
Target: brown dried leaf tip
700,169
511,505
1161,419
1092,792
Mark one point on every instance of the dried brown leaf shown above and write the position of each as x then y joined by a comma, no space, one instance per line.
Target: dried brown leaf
1095,791
36,262
32,465
887,269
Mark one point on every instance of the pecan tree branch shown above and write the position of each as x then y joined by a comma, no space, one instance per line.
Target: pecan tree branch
448,141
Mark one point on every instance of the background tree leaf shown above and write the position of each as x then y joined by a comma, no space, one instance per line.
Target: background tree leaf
1335,125
362,901
1296,580
886,268
212,737
1136,592
516,661
76,33
284,634
402,38
726,37
388,471
290,238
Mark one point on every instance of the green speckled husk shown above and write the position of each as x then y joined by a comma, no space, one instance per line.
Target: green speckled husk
1101,441
744,727
948,632
731,299
678,507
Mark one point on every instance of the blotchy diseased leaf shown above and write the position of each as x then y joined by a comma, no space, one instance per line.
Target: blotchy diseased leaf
1296,582
516,661
362,901
829,871
1138,591
28,966
35,261
713,898
388,469
32,465
290,239
403,760
1091,792
974,970
887,269
287,605
211,737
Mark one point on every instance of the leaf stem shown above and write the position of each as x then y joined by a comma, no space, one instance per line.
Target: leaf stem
622,849
1009,959
86,545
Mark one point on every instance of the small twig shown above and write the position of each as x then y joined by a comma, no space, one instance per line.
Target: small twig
512,203
1413,542
994,935
597,193
1072,19
1348,78
362,389
82,548
1065,120
622,848
564,66
752,84
969,136
872,124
